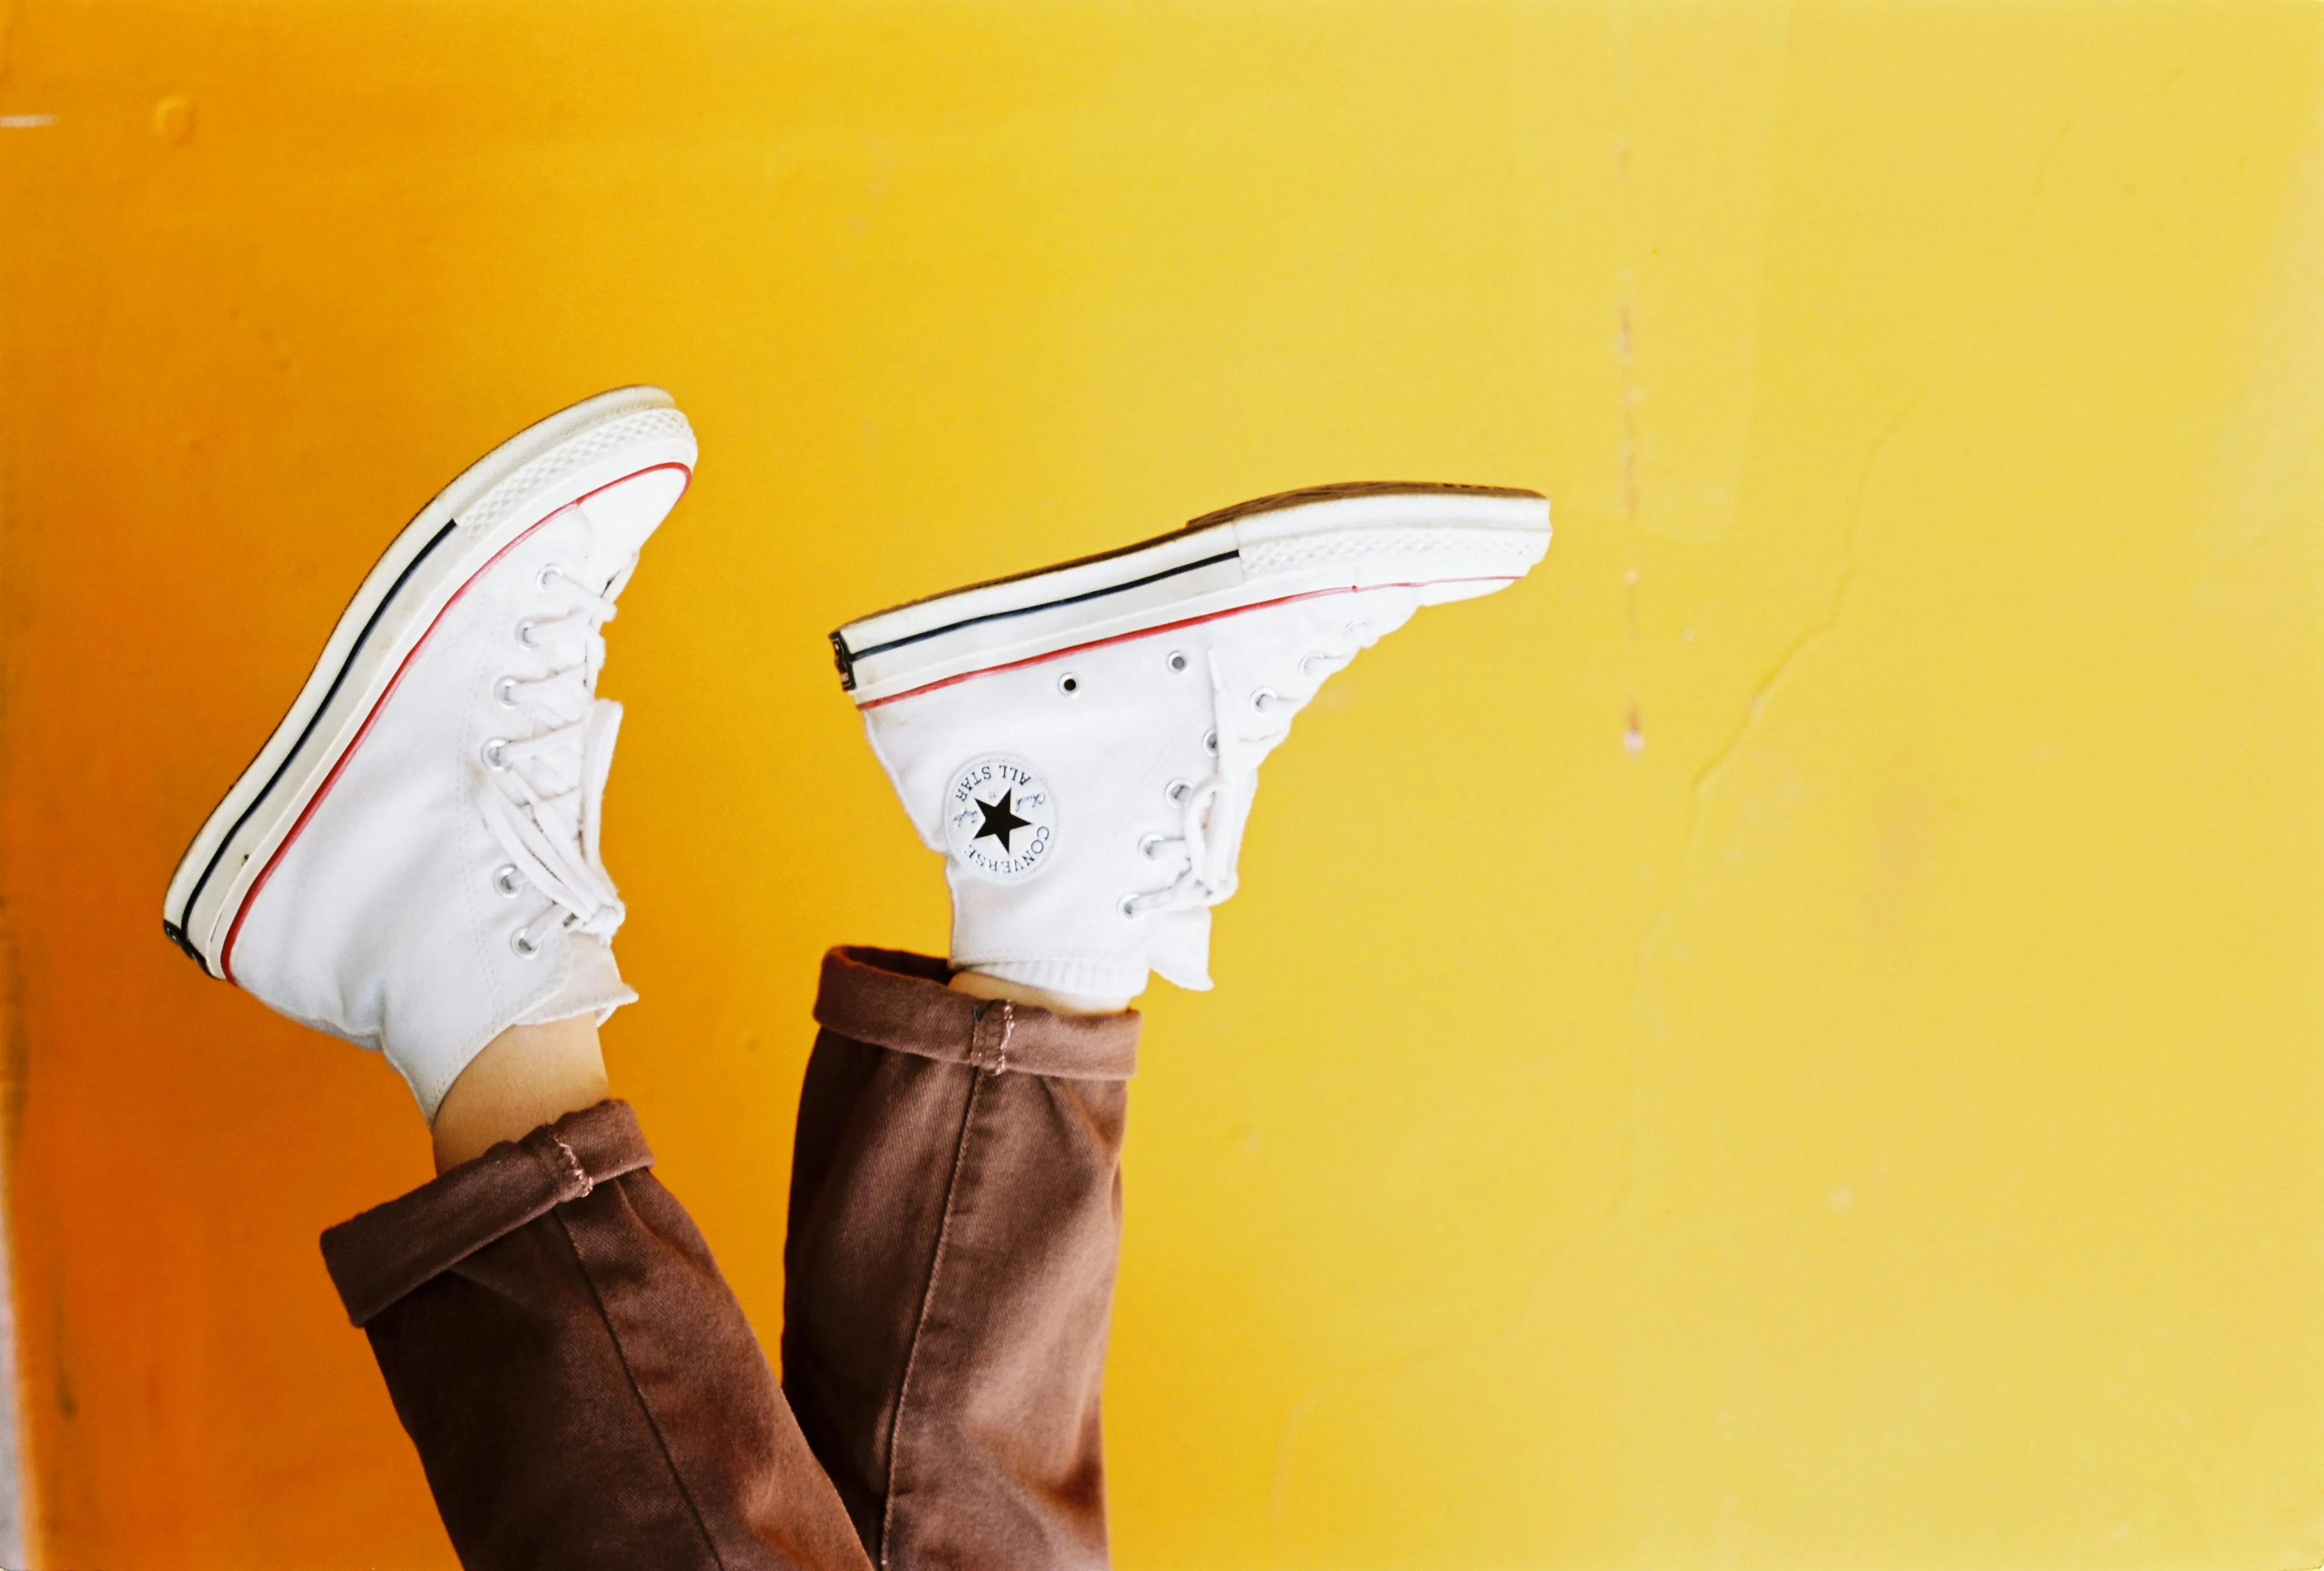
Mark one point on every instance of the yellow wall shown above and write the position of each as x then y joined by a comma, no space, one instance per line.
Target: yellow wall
1872,1124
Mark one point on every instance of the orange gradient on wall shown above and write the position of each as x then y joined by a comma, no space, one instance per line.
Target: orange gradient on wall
1790,1038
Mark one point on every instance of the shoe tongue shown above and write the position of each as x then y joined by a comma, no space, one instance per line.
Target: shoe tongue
593,983
605,725
1230,812
622,515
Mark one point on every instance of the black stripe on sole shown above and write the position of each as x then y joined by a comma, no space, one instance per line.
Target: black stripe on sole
177,932
852,655
1279,501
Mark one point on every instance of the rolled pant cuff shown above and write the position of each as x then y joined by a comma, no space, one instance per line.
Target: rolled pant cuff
897,1001
378,1257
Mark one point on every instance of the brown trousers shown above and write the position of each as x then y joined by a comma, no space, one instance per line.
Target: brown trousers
584,1391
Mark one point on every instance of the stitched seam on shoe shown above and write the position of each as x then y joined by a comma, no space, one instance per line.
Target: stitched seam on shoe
653,1424
919,1325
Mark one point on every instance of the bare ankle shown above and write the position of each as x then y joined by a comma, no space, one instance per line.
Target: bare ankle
526,1077
977,985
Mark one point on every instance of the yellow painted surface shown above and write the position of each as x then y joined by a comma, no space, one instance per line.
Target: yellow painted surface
1789,1039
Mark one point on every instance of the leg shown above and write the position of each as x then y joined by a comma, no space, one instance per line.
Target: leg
412,863
1082,745
581,1385
955,1215
530,1075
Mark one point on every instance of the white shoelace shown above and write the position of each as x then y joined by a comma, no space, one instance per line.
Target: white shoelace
550,787
1213,810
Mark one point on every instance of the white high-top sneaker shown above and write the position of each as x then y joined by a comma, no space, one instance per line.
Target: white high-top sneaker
411,862
1082,742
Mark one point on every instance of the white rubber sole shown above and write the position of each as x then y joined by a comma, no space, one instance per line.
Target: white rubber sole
1447,542
496,502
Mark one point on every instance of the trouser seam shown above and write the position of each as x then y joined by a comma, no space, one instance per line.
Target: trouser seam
919,1325
677,1478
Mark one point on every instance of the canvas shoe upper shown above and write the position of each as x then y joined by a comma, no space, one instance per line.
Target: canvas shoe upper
1083,743
413,864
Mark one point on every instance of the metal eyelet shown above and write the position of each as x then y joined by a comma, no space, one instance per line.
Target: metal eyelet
1309,659
549,574
1128,907
1069,685
1178,791
506,880
524,943
504,693
524,635
1349,631
1151,847
1178,661
1264,699
1210,741
495,753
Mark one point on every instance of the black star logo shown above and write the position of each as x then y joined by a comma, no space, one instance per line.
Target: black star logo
1000,820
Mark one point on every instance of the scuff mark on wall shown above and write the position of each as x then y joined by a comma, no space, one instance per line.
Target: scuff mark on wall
1698,96
1634,723
1626,292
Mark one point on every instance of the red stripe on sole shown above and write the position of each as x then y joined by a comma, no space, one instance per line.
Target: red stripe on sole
1164,628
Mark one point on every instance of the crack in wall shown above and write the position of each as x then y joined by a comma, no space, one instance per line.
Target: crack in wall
1702,785
1706,780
